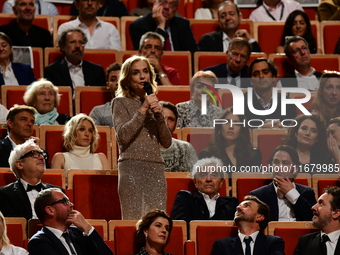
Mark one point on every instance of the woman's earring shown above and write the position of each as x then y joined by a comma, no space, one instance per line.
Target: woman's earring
146,236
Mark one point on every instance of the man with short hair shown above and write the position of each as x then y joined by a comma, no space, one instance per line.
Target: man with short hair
234,72
206,203
180,156
263,75
304,76
151,46
102,114
27,162
274,10
175,30
22,31
19,122
100,34
72,70
327,219
251,218
55,212
333,139
288,201
229,17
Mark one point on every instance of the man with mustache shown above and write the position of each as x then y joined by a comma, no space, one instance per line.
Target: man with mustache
288,201
151,47
327,219
72,70
251,218
55,211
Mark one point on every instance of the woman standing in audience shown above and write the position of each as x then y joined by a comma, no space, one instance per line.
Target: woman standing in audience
81,141
5,247
231,143
327,100
211,10
153,231
298,24
308,137
12,73
44,97
140,128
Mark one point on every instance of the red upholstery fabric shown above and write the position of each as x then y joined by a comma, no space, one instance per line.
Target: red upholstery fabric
199,141
90,99
173,96
36,62
38,21
14,233
322,184
227,100
129,45
54,143
9,177
267,147
321,64
200,29
331,33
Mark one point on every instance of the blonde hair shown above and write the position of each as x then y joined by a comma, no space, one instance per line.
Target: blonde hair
70,132
124,89
4,237
202,74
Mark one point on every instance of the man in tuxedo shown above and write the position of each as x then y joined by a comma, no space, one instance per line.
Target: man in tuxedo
206,203
230,17
20,121
175,30
263,75
235,71
72,70
326,218
288,201
55,212
27,162
251,218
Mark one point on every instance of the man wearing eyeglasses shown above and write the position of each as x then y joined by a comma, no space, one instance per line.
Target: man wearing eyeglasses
304,76
55,211
175,30
28,163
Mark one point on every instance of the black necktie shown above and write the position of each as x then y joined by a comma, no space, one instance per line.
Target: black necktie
68,241
233,79
247,240
324,239
37,187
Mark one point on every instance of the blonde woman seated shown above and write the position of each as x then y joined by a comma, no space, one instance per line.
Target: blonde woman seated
6,247
81,141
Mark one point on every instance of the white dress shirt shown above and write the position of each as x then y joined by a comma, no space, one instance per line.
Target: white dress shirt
286,212
9,76
333,240
31,196
252,243
211,203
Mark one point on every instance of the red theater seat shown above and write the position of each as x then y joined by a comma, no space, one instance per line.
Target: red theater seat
199,138
330,32
16,230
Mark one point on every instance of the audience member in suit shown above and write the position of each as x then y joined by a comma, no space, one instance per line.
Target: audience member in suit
109,8
263,75
27,162
20,121
230,17
175,30
288,201
55,212
72,70
251,218
206,203
304,76
333,139
102,114
151,47
327,219
13,73
234,72
22,31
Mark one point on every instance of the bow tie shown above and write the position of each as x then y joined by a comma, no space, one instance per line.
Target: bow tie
37,187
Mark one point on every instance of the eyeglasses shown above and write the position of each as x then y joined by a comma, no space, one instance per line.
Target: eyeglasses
172,5
73,43
64,200
34,154
299,50
235,55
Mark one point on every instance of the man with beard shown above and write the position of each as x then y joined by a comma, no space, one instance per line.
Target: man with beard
72,70
151,46
326,218
251,218
55,212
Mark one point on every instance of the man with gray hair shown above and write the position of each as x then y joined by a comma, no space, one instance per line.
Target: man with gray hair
206,204
151,46
28,163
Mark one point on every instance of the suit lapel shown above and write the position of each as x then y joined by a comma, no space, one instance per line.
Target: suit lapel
73,237
56,241
236,246
316,244
203,205
21,193
260,243
65,73
337,248
220,41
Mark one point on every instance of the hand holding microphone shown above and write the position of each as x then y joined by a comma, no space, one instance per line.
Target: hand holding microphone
152,100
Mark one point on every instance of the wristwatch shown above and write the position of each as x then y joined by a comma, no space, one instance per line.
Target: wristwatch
163,75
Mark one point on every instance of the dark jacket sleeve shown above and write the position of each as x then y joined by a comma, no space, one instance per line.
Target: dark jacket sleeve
181,208
303,205
255,47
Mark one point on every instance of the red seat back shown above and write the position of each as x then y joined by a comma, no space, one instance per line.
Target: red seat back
267,143
322,184
173,96
90,99
9,177
199,141
331,33
15,234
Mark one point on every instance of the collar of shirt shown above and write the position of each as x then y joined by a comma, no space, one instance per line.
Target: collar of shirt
333,236
206,197
9,68
265,106
279,194
12,142
70,65
57,232
308,75
80,24
253,236
24,183
271,8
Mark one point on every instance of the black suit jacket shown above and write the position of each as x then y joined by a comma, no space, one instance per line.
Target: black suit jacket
213,42
221,72
311,244
264,245
302,207
5,150
181,34
290,81
58,73
14,201
45,242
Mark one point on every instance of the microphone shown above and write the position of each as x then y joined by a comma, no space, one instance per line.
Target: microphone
148,91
